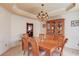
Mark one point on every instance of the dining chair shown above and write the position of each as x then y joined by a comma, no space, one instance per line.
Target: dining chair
59,50
41,36
50,37
62,46
35,48
25,43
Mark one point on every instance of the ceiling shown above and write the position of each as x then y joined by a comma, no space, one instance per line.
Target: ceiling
32,9
36,7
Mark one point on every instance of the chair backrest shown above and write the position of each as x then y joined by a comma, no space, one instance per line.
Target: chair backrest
35,47
25,42
41,36
49,37
62,46
65,41
25,36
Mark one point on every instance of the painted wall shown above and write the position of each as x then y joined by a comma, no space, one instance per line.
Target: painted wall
18,27
72,33
5,30
12,27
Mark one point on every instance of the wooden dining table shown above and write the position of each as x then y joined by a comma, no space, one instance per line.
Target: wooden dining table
47,44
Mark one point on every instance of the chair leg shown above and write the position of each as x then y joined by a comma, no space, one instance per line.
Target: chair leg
24,53
47,53
61,53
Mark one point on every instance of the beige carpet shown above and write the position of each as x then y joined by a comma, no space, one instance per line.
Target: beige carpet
17,51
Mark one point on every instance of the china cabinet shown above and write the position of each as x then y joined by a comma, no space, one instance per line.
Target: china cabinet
55,27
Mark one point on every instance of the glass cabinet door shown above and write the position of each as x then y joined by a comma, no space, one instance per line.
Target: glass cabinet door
60,27
53,27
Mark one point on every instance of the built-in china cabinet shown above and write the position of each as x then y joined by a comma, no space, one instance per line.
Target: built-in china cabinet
55,27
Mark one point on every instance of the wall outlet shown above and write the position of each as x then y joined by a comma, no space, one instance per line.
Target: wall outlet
5,45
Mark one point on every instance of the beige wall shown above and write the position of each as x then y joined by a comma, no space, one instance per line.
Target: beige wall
5,30
72,33
12,27
18,27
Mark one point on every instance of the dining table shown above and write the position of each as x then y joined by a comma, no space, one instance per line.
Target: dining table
47,44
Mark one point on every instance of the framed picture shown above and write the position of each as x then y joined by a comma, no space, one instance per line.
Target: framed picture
75,23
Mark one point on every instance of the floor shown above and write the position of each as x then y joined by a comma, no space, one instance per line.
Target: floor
17,51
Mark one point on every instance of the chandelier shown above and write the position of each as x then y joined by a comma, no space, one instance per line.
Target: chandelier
43,15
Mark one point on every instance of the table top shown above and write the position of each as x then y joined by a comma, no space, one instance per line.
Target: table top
46,43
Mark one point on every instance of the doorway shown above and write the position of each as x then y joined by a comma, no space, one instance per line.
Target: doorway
30,29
